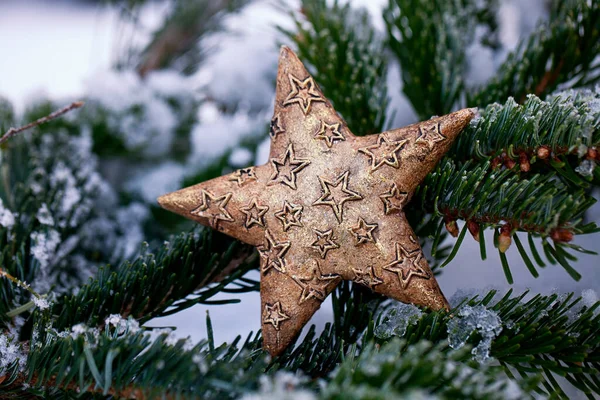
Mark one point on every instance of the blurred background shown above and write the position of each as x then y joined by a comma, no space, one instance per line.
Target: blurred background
180,90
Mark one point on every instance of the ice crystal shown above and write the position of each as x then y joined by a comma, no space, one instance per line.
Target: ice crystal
586,168
478,319
397,319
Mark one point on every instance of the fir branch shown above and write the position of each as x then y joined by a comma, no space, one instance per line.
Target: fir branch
126,362
429,39
561,52
175,44
422,370
347,60
548,333
537,134
14,131
487,198
152,285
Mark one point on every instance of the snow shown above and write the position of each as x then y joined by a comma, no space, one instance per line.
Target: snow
240,157
43,249
41,302
7,218
470,319
44,216
11,353
122,325
282,386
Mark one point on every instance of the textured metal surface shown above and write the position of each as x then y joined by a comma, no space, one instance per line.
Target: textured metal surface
326,207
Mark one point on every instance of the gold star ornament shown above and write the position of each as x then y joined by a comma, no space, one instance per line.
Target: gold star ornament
327,206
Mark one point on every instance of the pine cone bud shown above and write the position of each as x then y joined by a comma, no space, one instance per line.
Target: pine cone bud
524,162
510,163
543,152
496,162
451,227
561,235
505,238
473,227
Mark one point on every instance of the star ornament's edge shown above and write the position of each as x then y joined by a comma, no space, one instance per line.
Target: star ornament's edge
180,201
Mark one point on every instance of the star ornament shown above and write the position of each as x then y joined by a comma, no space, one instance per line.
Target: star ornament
326,207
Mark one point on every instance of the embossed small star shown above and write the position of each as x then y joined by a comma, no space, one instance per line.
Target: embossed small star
366,277
213,208
393,199
326,207
303,92
363,231
336,193
314,286
286,168
429,134
243,175
255,213
289,215
272,254
329,133
385,152
274,315
407,265
324,242
276,127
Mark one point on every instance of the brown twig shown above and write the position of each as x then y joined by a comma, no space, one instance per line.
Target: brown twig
13,131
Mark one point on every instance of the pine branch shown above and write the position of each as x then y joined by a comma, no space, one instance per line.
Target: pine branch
151,285
347,60
561,52
14,131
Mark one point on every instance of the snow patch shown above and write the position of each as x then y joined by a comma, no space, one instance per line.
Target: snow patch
7,218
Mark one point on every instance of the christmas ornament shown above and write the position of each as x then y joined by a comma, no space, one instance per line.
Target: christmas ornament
326,206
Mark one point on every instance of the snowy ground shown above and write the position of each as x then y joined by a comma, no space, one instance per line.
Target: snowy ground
54,47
